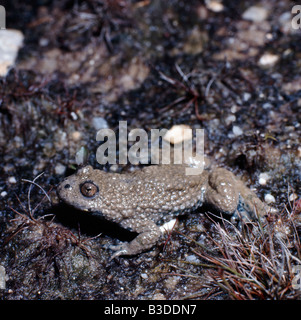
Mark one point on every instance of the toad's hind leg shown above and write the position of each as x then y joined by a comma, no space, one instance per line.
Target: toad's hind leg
222,192
229,195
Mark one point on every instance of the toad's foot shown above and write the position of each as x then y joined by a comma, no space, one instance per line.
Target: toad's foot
149,234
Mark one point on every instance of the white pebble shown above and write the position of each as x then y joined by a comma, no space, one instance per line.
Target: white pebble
231,118
60,169
237,131
81,156
76,135
234,109
12,180
100,123
293,197
73,115
3,194
43,42
263,178
143,275
215,6
267,105
178,133
10,43
255,14
247,96
192,258
168,226
268,60
268,198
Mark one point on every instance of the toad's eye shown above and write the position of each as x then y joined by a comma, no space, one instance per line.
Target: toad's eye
88,189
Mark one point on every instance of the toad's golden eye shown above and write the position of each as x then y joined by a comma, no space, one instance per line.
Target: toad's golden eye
88,189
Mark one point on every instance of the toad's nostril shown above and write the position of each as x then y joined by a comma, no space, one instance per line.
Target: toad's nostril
67,186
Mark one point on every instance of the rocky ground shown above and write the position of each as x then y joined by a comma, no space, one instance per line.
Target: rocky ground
230,68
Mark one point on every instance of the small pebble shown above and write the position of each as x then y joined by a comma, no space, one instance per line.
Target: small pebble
215,6
178,133
231,118
255,14
237,131
8,167
192,258
246,96
81,156
293,197
73,115
234,109
12,180
268,60
267,105
76,135
10,43
99,123
168,226
60,169
3,194
263,178
43,42
268,198
114,167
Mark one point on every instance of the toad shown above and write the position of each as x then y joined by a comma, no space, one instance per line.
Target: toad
141,201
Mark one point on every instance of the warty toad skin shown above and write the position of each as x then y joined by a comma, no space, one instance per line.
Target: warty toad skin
141,200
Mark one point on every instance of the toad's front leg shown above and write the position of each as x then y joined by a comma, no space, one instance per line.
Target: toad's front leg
149,234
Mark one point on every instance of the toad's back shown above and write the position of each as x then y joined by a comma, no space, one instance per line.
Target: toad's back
155,190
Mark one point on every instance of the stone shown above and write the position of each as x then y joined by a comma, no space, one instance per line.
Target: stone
99,123
178,133
10,43
237,131
268,198
268,60
255,14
